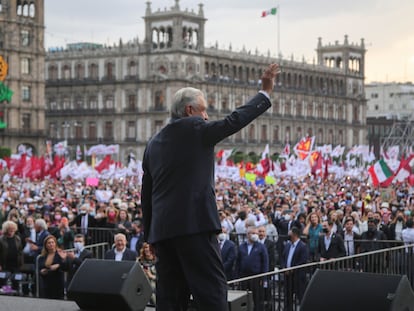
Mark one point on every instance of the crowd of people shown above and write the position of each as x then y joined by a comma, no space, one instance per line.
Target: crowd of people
261,224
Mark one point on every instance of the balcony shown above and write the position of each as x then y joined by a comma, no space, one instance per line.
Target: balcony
23,132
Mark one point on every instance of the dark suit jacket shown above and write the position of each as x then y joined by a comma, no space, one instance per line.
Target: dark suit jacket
78,221
127,255
39,242
336,247
254,263
300,255
178,196
270,246
228,256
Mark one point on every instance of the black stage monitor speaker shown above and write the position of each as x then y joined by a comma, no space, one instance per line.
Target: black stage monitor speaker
110,285
357,291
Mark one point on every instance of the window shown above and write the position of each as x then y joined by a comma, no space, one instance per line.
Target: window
131,129
78,130
52,130
376,107
133,69
108,132
26,94
78,103
109,102
53,73
25,66
132,100
252,133
66,72
93,102
93,71
66,103
52,104
276,133
25,37
26,121
92,130
79,72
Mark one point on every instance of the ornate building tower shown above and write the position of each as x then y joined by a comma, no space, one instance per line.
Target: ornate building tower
348,58
22,47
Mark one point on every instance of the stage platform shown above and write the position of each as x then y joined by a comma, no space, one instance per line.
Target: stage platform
13,303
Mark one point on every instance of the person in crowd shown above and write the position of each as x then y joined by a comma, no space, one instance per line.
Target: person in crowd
271,230
331,245
270,247
75,258
300,222
397,226
147,261
350,237
371,239
121,252
41,233
165,190
51,266
252,258
11,249
228,254
136,237
65,234
84,221
312,231
123,223
295,253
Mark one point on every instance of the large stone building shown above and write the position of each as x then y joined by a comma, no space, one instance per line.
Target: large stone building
121,94
22,47
390,108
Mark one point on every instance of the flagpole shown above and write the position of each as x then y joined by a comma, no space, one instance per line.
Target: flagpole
278,30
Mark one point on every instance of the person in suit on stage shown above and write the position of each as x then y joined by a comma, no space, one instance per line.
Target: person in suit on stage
252,259
331,245
178,197
228,254
271,251
41,233
121,252
295,253
75,259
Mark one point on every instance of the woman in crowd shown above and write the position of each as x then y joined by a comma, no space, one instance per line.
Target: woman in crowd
123,222
312,231
11,249
51,266
147,260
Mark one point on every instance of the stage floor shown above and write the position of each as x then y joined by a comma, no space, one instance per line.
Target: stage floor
13,303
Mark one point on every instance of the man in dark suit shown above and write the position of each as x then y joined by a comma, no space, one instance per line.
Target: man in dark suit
252,259
136,238
75,259
295,253
41,233
228,254
331,245
84,222
178,198
121,251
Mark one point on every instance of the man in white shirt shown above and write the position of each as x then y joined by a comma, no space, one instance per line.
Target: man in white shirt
121,252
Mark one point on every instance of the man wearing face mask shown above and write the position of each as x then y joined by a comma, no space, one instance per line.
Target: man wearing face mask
228,254
371,239
331,245
84,221
252,259
75,259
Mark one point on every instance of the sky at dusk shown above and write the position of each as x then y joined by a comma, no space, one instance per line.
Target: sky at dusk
386,26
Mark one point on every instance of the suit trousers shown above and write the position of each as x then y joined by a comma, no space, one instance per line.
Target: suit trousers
190,265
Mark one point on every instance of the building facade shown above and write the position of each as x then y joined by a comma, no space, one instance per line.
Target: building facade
390,109
121,94
22,47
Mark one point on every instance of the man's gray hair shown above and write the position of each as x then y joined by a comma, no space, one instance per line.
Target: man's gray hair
41,223
182,98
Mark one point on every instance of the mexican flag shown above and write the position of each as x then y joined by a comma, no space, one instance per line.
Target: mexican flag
272,11
379,172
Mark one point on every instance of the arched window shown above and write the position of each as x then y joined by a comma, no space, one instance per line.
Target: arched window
32,10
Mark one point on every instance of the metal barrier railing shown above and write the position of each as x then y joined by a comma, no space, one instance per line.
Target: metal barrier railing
98,250
283,289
